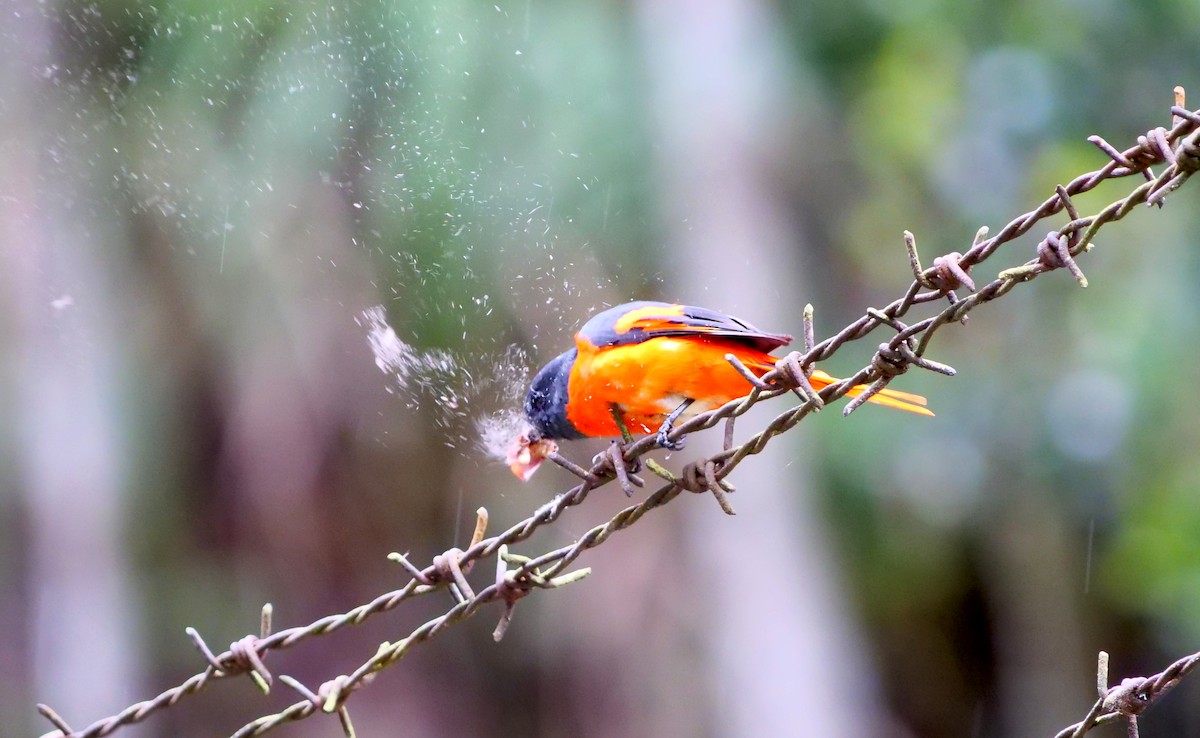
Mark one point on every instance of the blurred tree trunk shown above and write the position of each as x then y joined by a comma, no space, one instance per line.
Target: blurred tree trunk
1039,630
779,634
77,610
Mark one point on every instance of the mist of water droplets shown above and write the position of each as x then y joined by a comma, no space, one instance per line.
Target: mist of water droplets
473,401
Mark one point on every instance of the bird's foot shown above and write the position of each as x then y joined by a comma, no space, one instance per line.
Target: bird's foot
662,437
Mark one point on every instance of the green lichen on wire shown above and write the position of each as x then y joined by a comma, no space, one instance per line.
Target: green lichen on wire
1177,148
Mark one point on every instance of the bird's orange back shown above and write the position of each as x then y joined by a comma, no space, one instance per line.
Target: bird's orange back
648,380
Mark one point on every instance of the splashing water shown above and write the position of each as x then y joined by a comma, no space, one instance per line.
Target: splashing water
497,432
407,366
444,385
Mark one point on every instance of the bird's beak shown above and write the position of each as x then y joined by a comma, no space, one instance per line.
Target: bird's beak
525,456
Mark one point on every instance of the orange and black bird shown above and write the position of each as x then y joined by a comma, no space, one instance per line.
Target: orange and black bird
656,362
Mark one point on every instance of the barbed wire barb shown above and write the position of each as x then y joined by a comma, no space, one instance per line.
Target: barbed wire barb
1130,698
1177,150
55,719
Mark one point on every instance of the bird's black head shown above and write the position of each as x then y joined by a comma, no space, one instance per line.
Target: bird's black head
546,403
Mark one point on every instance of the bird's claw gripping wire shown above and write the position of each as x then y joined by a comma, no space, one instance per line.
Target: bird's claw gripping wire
663,440
664,430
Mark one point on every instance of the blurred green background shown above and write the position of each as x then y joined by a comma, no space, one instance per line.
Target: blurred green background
199,199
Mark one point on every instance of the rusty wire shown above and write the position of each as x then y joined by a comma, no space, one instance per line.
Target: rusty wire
1130,698
1178,148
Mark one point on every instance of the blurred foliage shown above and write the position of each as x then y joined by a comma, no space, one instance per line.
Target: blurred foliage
247,176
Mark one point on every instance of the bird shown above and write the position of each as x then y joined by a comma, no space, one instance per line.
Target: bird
656,363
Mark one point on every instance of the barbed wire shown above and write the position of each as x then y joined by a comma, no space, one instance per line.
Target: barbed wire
1130,698
517,576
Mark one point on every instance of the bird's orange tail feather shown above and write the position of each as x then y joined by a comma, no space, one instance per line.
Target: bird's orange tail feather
906,401
897,399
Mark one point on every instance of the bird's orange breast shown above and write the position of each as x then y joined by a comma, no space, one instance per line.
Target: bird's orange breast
648,380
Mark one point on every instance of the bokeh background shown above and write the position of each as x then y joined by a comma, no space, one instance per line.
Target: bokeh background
198,199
